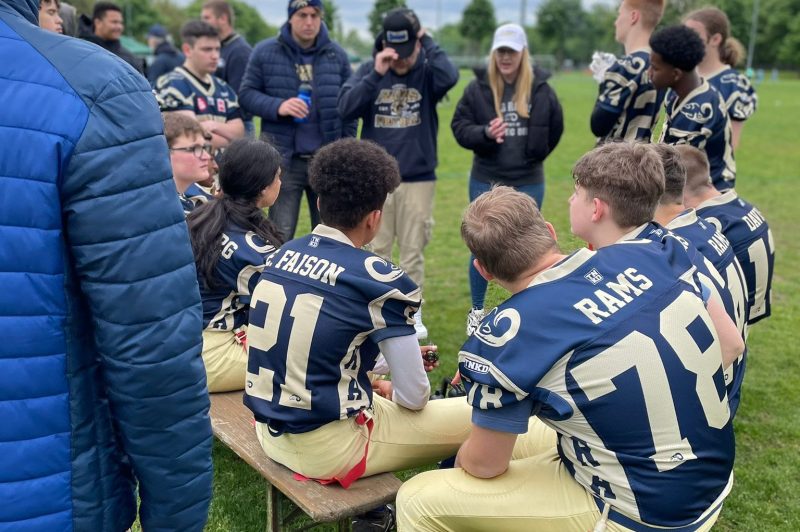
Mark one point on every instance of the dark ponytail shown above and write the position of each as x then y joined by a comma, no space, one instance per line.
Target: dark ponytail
247,167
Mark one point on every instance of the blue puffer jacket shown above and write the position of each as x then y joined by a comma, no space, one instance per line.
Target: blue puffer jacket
271,78
101,380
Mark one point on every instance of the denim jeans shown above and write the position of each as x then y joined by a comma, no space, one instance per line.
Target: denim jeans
287,207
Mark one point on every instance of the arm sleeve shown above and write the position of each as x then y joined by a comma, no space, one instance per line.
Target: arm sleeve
252,94
410,384
546,123
445,74
349,127
355,97
236,66
602,120
511,418
130,248
467,131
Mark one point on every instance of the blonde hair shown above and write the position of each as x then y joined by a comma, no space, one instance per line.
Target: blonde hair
695,162
715,21
626,175
505,231
522,85
651,11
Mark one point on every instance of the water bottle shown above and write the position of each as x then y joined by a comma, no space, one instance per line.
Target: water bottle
304,93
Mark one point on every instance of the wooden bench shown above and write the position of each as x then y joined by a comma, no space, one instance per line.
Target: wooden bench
232,423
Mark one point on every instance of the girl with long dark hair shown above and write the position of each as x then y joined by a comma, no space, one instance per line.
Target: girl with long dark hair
231,238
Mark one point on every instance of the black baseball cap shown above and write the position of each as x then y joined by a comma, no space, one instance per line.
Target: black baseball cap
400,29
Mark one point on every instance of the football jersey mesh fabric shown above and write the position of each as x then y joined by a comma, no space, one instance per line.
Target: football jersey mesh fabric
720,272
752,241
737,92
316,318
619,333
701,120
626,91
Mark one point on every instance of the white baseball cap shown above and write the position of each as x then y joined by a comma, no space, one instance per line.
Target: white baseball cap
510,36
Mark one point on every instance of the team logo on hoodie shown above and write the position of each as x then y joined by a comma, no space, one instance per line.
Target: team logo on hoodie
398,107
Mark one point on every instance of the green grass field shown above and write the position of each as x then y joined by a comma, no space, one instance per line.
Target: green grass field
765,496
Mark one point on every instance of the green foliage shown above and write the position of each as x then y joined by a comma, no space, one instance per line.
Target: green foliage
562,24
332,19
478,23
565,29
452,39
378,11
248,20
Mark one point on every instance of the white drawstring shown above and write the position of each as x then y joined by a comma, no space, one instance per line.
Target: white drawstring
600,526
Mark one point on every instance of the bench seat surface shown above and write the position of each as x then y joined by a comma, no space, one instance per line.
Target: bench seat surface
232,423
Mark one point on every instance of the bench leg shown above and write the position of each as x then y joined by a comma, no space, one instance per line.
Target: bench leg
273,509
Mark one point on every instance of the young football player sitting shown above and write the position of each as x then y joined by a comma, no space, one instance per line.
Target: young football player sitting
612,348
743,225
189,154
725,275
322,311
231,239
695,111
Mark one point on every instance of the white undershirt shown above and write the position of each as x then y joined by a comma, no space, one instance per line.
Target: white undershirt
410,385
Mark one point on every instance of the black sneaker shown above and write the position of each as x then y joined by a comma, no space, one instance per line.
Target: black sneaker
380,519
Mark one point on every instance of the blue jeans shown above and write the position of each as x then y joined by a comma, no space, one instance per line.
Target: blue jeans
477,284
287,207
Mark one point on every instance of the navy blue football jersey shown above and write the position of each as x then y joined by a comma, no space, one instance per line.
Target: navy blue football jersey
701,120
627,92
198,194
187,204
751,238
241,259
316,318
717,267
737,92
614,350
179,90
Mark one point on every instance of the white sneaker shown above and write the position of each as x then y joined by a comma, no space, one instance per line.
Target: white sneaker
422,331
474,320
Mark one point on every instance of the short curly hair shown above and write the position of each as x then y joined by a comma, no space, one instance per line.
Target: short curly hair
352,178
679,46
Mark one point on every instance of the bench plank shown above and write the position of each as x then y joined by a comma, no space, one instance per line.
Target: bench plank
232,424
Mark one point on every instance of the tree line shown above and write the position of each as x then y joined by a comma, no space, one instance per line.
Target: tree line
564,29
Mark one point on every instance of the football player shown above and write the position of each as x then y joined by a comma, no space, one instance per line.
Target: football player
189,154
695,112
627,105
615,350
723,272
321,313
723,53
743,225
193,89
231,239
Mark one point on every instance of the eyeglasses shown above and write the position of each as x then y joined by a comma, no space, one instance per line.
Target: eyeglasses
197,150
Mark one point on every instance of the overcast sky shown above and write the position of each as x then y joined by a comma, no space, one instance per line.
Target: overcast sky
432,13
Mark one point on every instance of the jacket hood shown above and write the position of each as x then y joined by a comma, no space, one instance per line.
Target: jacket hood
322,39
27,8
540,75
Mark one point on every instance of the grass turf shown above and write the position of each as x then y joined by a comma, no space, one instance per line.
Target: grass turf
768,423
